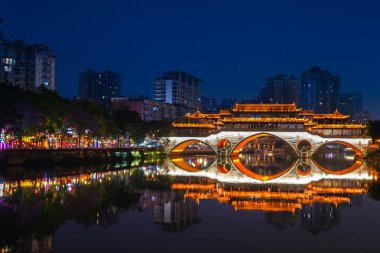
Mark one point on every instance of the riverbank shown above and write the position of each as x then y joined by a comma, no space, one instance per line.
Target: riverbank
73,157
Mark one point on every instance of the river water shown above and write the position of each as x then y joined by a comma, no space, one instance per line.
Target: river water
195,203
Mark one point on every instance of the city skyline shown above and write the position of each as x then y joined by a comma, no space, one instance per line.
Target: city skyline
234,56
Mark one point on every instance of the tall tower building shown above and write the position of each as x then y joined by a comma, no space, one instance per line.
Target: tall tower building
44,66
281,89
99,86
177,87
292,90
351,104
320,91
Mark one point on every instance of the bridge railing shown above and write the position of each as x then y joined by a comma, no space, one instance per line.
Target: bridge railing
267,129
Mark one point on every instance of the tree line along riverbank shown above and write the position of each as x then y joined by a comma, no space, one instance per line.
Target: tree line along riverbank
46,158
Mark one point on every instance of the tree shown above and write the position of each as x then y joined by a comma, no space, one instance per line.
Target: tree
374,130
374,189
129,123
160,128
52,108
81,120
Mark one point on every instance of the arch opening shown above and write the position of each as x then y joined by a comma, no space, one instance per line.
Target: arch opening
264,144
338,157
263,170
224,144
304,146
224,168
194,163
192,147
303,169
264,156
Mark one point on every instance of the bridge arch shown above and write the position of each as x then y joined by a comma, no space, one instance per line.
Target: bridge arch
303,169
181,163
358,162
179,148
243,169
357,151
224,144
224,168
245,141
356,165
224,165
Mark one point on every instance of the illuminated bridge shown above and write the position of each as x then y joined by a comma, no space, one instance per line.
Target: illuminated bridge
229,132
233,142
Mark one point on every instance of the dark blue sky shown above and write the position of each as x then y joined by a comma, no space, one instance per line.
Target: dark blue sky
232,45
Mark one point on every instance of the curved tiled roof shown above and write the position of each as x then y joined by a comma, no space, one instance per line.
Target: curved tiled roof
266,108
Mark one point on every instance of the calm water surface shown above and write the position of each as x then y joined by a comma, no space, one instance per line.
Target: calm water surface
255,203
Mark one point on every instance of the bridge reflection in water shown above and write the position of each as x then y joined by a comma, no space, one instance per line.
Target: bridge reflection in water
331,162
287,189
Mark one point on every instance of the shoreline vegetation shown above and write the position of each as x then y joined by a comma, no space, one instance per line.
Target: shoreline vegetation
41,119
69,158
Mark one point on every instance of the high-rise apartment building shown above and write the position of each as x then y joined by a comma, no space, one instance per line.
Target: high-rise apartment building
351,104
320,91
26,66
35,66
99,86
281,89
7,59
208,105
177,87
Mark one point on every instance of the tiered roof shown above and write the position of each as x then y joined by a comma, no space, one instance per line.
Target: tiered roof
263,120
196,115
265,108
334,115
194,125
199,115
306,117
339,126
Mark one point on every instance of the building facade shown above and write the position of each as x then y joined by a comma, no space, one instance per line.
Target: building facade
148,109
209,105
35,66
179,88
351,104
7,59
281,89
320,91
8,62
26,66
99,86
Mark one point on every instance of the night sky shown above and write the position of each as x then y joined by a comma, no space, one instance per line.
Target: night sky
233,46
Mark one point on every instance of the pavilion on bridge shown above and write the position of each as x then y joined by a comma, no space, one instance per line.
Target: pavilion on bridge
269,117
